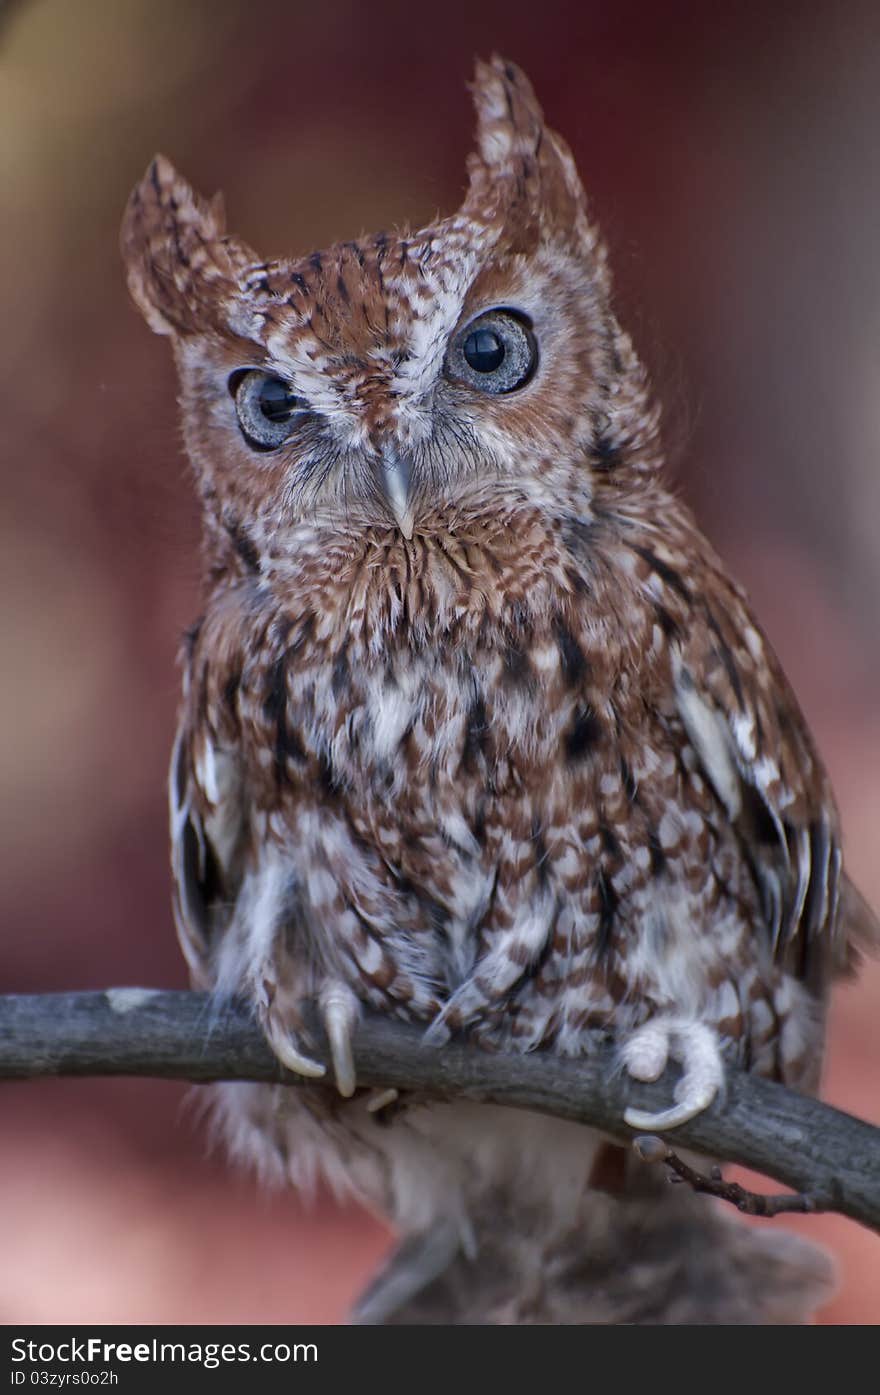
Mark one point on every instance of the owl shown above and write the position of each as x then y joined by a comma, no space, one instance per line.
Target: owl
478,733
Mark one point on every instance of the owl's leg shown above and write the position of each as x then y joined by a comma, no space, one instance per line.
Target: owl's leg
417,1262
645,1056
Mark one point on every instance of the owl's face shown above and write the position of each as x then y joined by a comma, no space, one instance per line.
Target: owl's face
399,381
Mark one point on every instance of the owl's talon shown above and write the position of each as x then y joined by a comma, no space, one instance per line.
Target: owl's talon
696,1046
339,1009
380,1099
285,1046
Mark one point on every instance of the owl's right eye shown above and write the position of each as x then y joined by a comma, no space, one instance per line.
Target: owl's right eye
266,408
495,353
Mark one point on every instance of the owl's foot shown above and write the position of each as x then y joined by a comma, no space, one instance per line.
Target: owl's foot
338,1008
646,1054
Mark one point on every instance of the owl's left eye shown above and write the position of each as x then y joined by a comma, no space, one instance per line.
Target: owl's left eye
495,353
266,408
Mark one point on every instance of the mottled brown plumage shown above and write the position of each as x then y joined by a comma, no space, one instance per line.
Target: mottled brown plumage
476,730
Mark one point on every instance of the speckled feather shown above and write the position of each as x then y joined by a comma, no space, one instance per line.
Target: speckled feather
531,774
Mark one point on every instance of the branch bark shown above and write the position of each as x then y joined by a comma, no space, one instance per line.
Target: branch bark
798,1141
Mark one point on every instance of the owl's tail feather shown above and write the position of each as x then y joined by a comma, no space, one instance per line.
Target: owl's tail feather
653,1254
418,1263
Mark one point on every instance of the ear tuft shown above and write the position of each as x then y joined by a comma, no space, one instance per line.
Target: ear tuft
180,263
522,175
510,122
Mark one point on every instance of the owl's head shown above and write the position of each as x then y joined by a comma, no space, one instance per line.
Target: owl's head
401,380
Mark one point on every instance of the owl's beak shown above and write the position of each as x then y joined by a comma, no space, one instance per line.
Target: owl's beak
395,478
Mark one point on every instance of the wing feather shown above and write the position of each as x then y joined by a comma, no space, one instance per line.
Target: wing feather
773,789
207,829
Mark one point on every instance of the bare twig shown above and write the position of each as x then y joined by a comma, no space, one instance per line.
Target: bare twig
653,1149
808,1146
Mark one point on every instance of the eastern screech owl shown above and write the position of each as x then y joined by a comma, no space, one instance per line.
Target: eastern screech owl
478,732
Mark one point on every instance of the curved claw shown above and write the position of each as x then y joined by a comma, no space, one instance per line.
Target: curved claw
380,1099
339,1009
666,1118
286,1049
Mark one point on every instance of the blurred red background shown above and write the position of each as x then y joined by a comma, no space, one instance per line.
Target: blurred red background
730,155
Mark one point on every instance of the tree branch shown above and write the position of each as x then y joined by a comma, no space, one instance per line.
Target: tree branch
796,1140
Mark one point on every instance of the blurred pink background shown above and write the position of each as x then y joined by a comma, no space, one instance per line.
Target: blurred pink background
731,156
